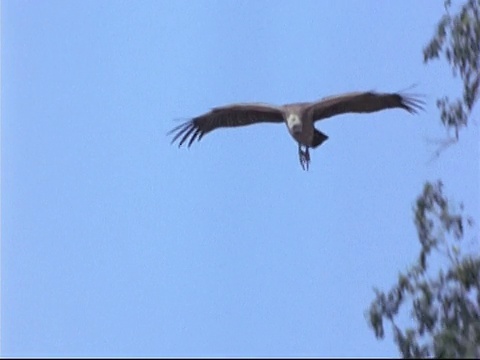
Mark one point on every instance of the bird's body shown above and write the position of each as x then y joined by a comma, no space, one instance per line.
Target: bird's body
299,117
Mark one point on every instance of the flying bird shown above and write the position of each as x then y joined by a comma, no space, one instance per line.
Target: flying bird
299,117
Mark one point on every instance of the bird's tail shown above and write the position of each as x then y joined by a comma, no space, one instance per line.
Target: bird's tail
318,138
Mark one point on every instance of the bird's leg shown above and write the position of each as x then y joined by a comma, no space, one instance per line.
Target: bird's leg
304,157
307,157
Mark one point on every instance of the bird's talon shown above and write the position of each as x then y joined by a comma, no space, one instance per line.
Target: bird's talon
304,158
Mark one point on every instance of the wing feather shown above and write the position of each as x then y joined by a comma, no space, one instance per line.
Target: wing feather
364,102
225,116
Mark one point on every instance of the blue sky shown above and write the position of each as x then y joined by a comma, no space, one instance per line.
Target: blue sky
115,243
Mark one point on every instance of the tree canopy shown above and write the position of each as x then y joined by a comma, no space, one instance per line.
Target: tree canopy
442,287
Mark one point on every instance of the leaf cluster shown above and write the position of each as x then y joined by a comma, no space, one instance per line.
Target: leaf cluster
444,307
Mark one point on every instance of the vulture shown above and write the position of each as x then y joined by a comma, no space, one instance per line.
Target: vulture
298,117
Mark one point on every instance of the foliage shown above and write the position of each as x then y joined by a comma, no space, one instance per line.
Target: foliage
445,308
457,38
443,292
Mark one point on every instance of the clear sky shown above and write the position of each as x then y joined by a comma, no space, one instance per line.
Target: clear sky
116,243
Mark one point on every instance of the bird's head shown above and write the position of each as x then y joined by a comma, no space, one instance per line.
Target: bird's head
294,123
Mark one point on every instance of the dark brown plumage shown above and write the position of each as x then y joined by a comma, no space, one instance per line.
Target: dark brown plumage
299,117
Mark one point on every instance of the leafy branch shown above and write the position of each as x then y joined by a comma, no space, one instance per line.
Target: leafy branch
445,308
457,39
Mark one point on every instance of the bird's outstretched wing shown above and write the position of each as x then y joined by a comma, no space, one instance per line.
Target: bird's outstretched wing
225,116
363,102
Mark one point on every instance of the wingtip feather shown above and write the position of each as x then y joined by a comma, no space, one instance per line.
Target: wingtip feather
413,103
186,132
